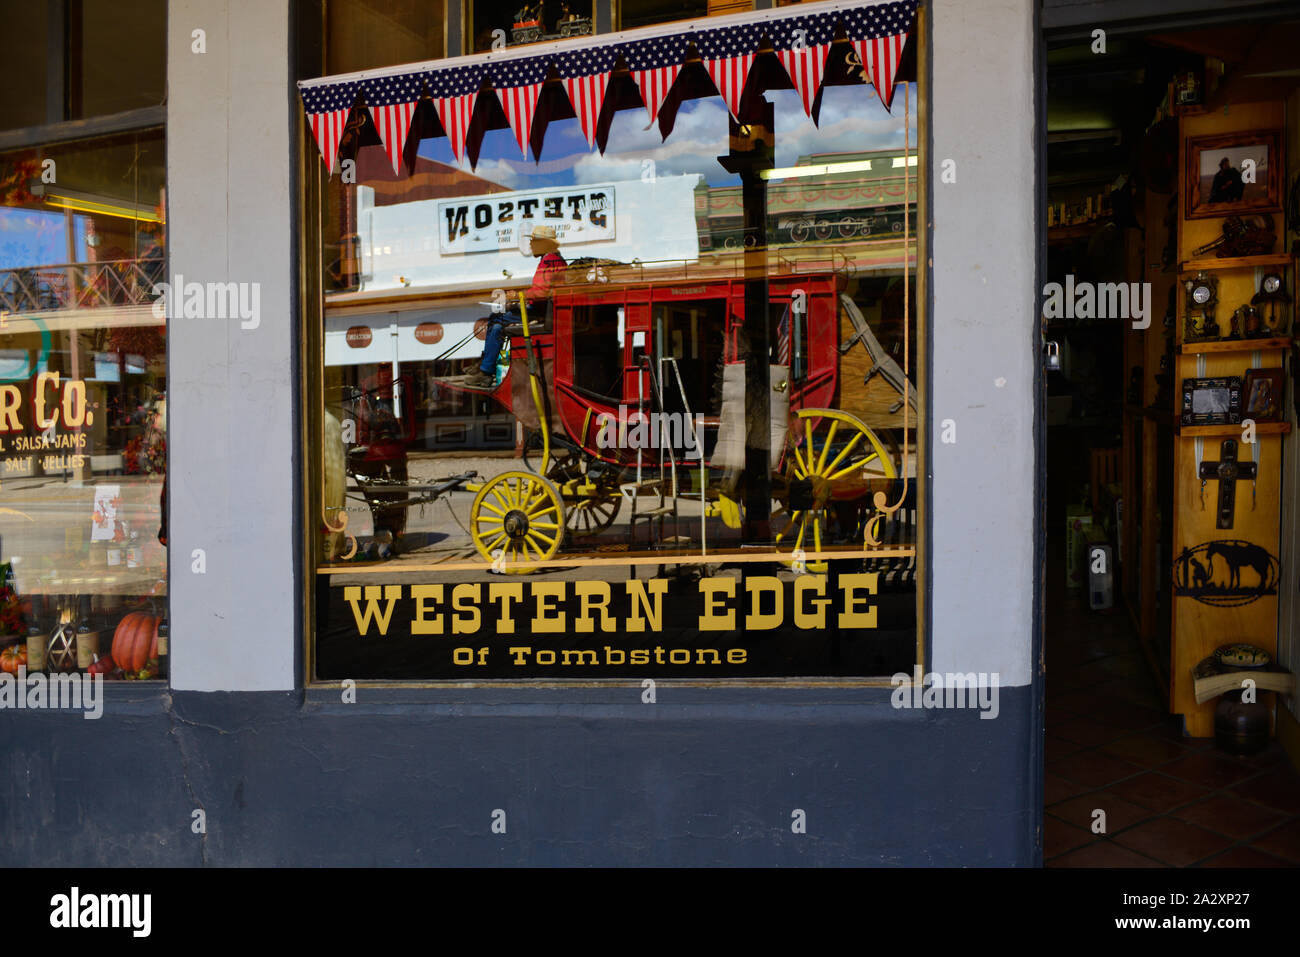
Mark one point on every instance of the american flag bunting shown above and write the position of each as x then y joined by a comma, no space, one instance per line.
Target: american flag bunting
392,101
802,47
518,84
585,73
728,54
327,110
654,64
454,93
802,42
878,34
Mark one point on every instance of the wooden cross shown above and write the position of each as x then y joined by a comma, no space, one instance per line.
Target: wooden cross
1227,470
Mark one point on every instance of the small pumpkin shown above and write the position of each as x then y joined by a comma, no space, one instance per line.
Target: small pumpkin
102,666
13,658
135,641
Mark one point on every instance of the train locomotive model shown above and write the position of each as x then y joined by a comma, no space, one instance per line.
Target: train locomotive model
530,25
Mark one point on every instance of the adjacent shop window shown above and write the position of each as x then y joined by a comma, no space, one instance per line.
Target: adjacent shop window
648,412
83,406
81,59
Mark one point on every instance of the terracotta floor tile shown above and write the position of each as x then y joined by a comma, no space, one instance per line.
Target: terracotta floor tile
1131,717
1158,792
1172,841
1093,768
1080,702
1059,837
1086,732
1145,750
1209,769
1233,816
1056,747
1102,854
1120,814
1281,842
1279,789
1244,857
1057,789
1053,716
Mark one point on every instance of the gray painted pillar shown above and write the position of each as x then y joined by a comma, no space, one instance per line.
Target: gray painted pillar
230,399
985,315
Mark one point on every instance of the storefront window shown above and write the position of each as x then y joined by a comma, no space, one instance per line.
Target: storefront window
663,415
364,34
83,405
643,13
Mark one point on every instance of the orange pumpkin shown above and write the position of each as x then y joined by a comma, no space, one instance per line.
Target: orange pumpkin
12,658
135,641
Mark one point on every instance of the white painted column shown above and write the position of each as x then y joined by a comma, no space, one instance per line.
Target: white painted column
985,314
230,396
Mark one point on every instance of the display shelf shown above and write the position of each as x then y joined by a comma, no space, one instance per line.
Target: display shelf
1234,431
1236,262
1235,345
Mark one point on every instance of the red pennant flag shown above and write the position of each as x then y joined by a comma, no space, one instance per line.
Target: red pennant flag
730,74
328,130
393,123
520,105
806,65
654,86
880,59
587,94
455,113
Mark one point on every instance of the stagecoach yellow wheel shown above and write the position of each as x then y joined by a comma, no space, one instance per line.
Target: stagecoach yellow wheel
591,514
829,456
517,519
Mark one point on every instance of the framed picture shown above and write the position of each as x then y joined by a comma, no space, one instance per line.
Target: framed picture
1211,401
1262,392
1234,173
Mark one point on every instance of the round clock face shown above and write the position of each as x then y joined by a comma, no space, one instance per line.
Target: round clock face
1201,294
1272,283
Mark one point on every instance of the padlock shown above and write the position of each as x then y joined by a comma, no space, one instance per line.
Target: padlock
1053,360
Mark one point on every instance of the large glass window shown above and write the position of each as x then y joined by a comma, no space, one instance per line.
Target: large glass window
83,405
686,403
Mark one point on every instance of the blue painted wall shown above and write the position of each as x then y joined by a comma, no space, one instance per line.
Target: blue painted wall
586,777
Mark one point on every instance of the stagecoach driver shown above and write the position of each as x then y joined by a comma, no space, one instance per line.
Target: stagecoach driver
542,245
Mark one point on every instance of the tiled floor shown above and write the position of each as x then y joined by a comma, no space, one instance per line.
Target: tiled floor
1167,800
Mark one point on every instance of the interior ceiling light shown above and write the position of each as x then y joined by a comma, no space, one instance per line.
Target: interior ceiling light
80,202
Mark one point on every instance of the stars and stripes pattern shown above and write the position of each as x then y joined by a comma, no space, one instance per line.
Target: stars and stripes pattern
454,93
585,73
654,64
878,34
802,47
802,42
728,54
518,84
327,110
392,101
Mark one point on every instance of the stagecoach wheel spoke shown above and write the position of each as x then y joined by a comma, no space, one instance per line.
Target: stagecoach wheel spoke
521,517
828,466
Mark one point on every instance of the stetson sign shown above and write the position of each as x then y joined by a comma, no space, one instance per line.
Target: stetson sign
483,224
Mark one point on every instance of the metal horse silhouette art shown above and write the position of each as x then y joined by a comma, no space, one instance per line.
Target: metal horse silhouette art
1212,573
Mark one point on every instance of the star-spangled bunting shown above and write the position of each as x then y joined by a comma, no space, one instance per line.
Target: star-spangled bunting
879,34
585,72
802,47
454,92
654,64
728,53
518,84
392,101
327,110
801,40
